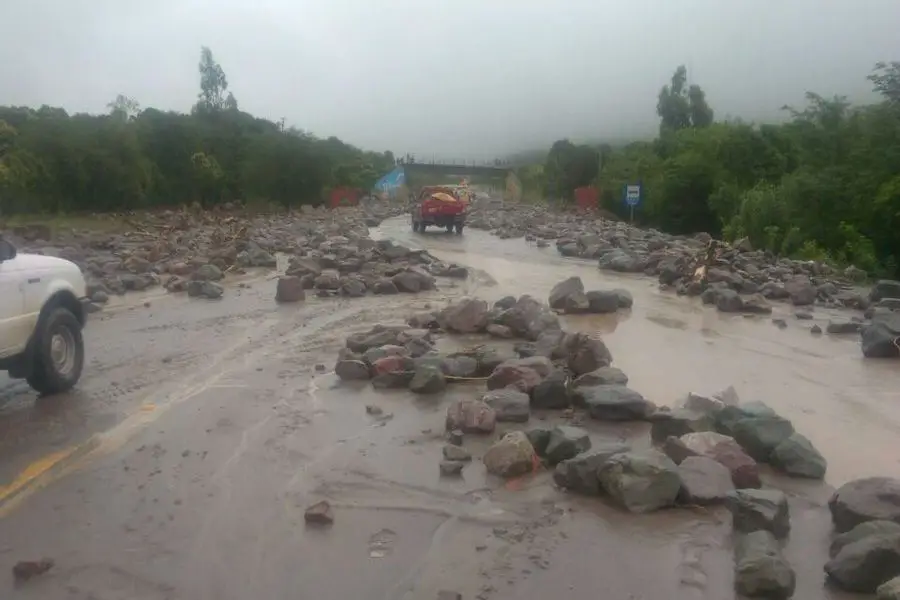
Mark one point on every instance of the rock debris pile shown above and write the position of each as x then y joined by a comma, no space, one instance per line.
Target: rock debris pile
193,251
733,278
704,451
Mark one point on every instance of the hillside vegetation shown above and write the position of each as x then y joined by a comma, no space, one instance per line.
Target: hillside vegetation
825,184
53,162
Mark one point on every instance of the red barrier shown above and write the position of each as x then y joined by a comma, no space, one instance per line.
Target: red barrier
587,198
344,196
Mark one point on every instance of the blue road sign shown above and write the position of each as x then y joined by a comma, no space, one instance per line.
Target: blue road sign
632,195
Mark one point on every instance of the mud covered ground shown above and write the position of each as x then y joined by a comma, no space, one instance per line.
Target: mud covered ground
182,465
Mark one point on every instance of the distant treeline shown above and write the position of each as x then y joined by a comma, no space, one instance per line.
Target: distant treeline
825,184
51,161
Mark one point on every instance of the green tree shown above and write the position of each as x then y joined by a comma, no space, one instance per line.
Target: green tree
124,108
213,83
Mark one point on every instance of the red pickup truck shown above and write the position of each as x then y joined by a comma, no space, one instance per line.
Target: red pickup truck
441,206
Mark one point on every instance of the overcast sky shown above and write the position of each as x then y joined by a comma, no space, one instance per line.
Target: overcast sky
454,77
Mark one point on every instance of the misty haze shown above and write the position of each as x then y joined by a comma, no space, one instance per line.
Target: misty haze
467,78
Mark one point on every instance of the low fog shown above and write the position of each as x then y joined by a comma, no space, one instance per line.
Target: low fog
467,78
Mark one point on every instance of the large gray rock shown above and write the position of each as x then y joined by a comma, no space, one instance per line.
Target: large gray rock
884,288
580,474
729,415
798,457
428,380
861,531
289,289
565,442
704,481
759,436
350,369
754,510
512,456
881,337
721,448
602,376
552,392
641,481
801,290
528,318
562,292
468,315
866,564
614,403
584,353
510,405
601,302
760,569
861,500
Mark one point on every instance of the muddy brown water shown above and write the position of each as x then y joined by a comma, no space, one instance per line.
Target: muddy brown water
181,466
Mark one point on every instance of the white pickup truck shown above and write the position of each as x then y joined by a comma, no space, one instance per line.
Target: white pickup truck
41,318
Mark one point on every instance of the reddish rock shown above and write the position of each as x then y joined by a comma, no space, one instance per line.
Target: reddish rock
470,416
521,378
389,364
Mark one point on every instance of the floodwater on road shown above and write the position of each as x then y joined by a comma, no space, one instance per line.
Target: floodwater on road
181,467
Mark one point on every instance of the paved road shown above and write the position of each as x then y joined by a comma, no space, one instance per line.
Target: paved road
181,467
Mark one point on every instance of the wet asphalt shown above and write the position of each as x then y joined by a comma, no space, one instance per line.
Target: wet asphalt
181,466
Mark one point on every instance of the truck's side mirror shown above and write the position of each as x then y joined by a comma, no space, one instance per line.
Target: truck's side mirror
7,251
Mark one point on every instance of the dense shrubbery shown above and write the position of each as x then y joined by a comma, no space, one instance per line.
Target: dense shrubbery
824,184
129,159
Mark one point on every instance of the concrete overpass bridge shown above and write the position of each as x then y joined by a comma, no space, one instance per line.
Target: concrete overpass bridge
500,180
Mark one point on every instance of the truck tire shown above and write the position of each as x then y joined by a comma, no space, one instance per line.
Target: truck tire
459,228
58,353
415,226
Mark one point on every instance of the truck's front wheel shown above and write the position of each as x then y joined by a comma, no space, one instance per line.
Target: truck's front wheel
58,353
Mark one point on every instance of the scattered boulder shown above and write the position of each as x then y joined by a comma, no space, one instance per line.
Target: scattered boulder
602,376
564,292
580,474
861,500
512,456
760,569
759,436
513,375
351,369
584,353
881,337
427,380
510,405
861,531
289,289
797,456
641,481
565,442
754,510
721,448
470,416
205,289
468,315
867,563
456,452
704,481
552,392
613,403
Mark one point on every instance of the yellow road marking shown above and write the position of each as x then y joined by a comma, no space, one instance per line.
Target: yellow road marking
32,472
